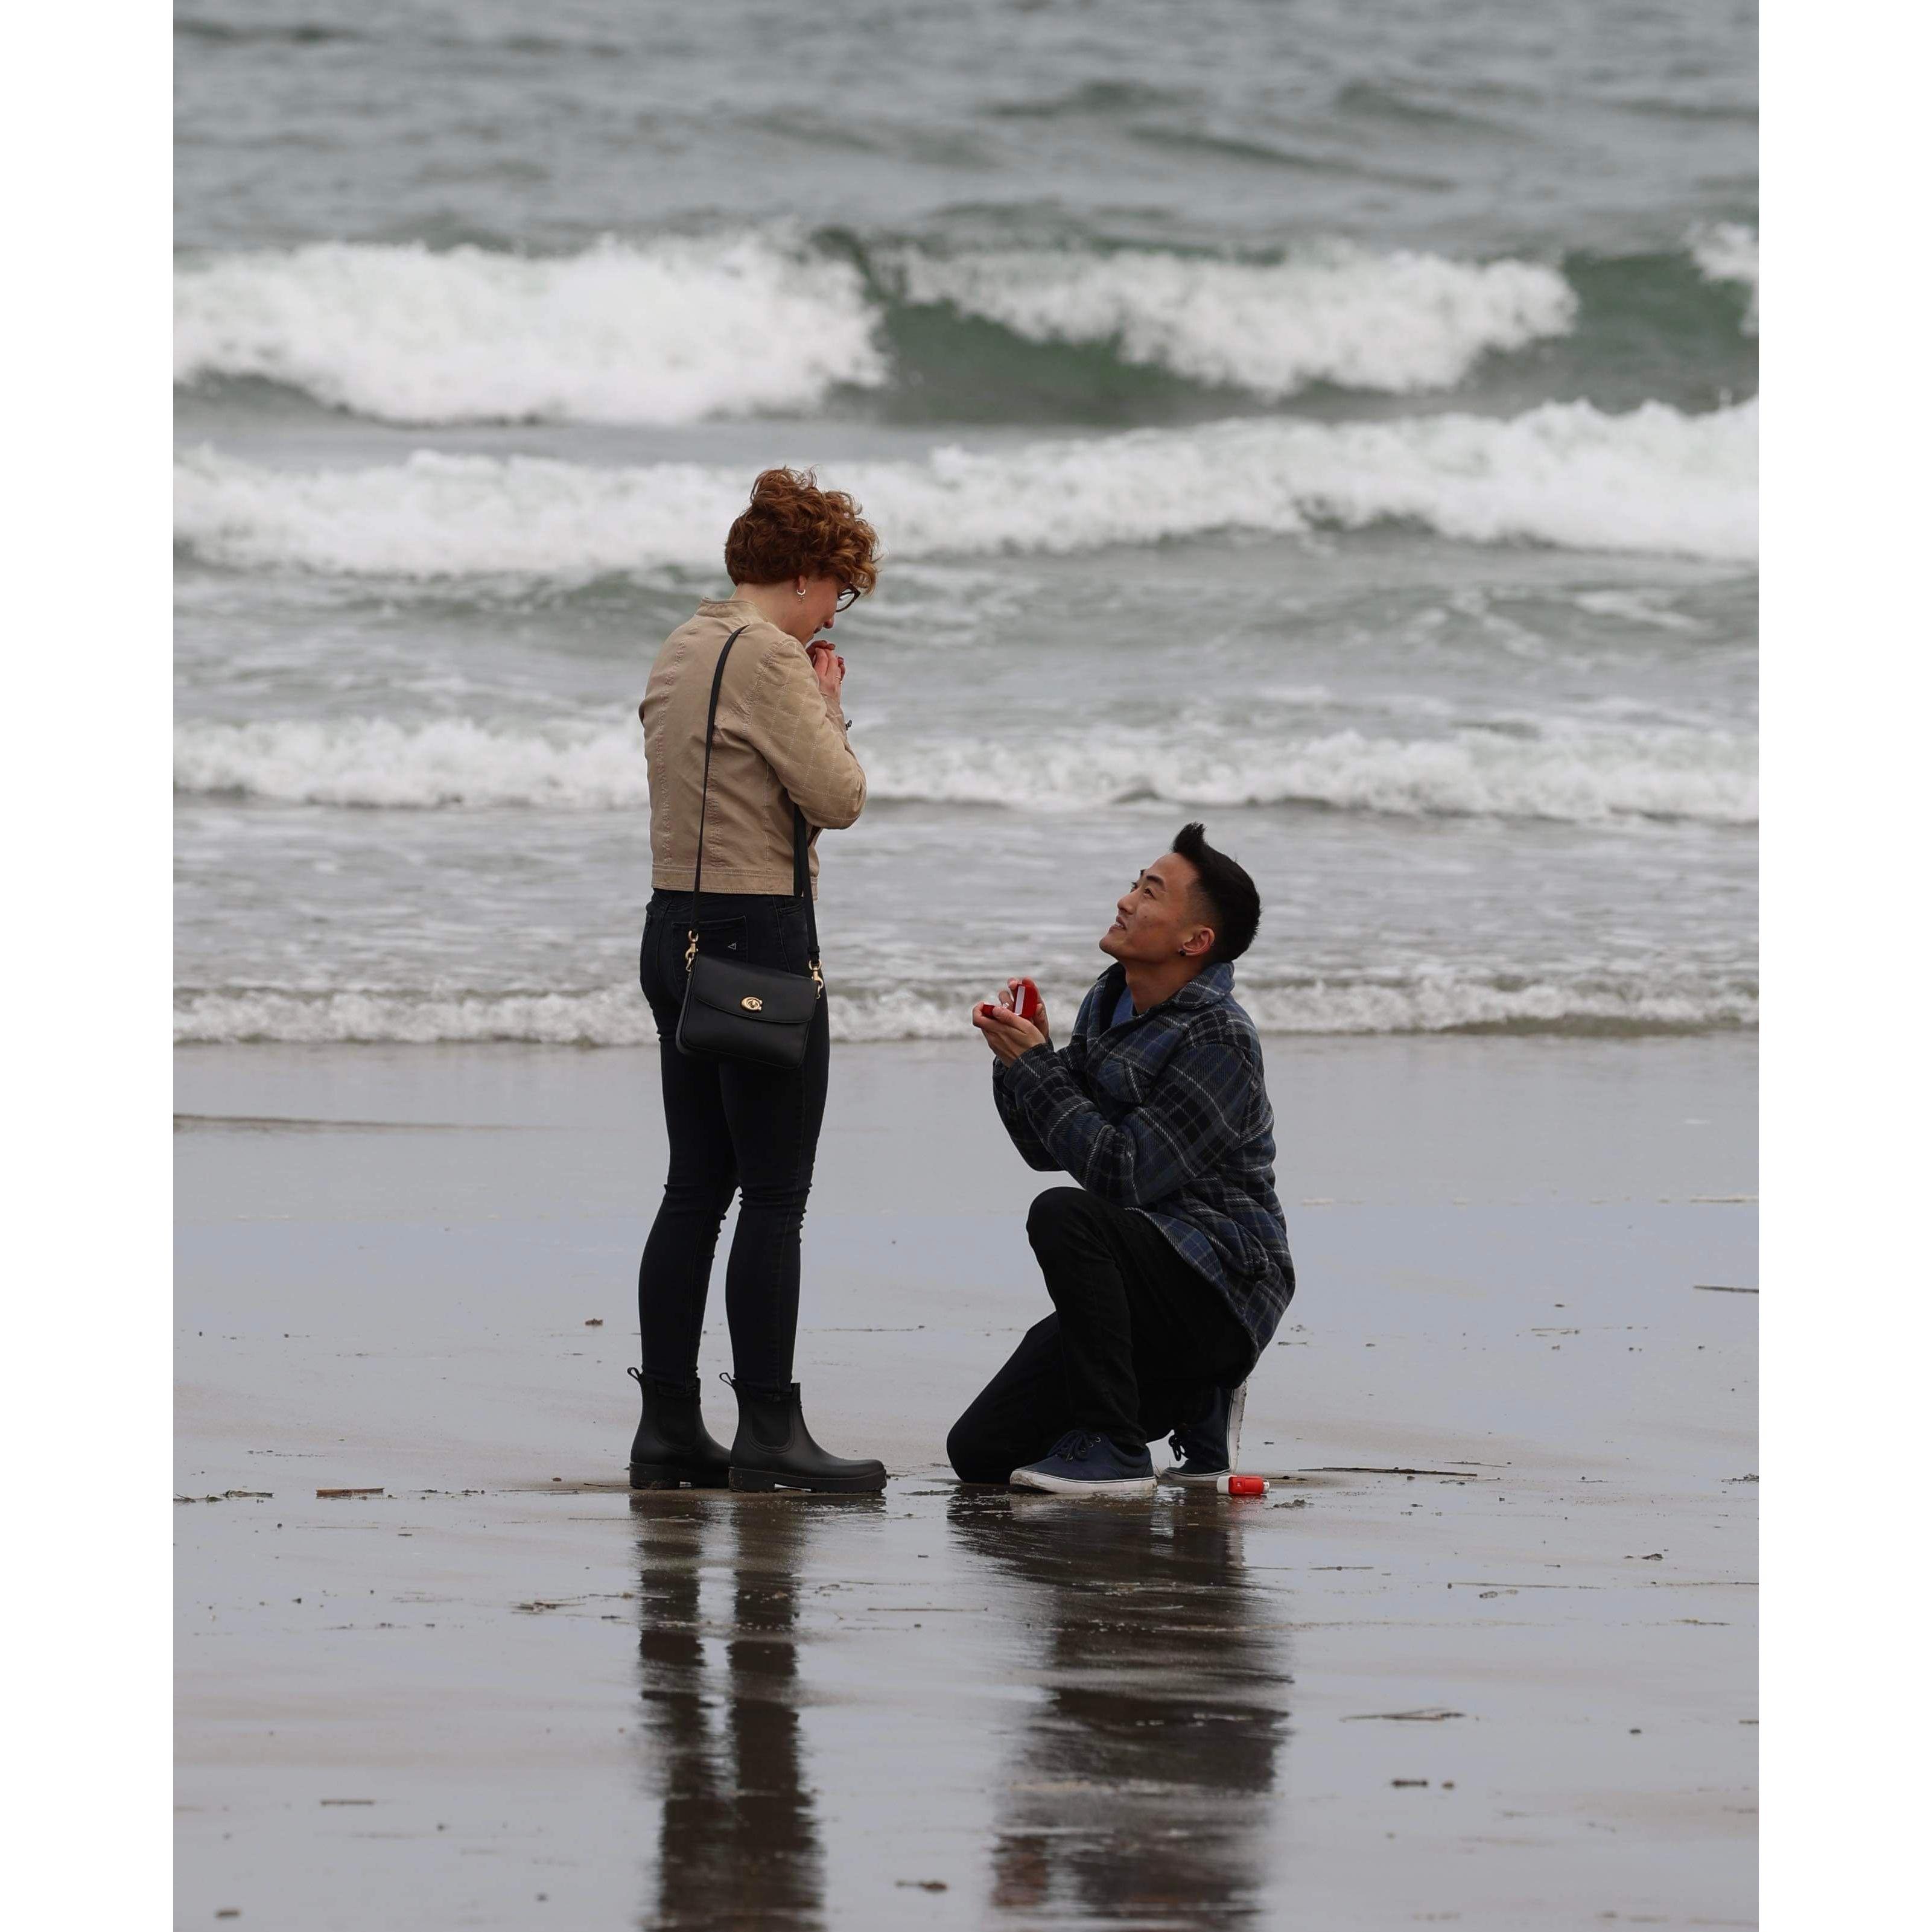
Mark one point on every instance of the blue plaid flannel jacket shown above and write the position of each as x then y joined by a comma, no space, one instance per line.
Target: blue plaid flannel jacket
1166,1113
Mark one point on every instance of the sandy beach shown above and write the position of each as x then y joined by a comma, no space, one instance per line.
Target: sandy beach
1337,425
1485,1653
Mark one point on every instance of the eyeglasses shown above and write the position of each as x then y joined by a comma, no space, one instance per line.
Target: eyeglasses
847,598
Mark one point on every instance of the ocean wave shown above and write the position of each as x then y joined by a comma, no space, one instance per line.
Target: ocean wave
374,762
1656,479
1565,771
1727,251
617,1016
1557,769
678,329
668,332
1398,322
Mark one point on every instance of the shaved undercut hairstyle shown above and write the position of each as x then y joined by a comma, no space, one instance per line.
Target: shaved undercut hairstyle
1229,900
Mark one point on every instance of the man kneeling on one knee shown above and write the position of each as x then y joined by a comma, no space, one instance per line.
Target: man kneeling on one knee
1167,1266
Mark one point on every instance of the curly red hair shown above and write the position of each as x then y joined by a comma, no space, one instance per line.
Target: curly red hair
792,528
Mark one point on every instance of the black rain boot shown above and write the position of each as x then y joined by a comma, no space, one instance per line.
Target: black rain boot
672,1446
774,1449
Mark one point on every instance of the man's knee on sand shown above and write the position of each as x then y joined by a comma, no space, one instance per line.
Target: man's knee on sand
1058,1215
969,1454
1016,1418
981,1450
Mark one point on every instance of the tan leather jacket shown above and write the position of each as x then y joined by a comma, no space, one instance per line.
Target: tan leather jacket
779,738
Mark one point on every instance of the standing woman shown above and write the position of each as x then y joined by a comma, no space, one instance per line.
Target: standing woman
796,555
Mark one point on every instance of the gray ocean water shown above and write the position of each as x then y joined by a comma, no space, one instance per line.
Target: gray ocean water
1334,423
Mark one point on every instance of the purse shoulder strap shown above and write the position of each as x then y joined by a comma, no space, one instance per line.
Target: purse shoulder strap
704,793
801,884
801,877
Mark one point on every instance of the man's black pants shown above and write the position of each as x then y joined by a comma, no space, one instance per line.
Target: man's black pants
1136,1344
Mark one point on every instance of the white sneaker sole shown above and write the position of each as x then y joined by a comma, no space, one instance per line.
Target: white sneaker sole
1237,1407
1075,1486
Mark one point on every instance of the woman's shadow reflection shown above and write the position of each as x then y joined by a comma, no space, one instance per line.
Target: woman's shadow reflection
719,1606
1141,1781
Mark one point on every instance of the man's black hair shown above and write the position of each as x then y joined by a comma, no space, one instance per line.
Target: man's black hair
1233,907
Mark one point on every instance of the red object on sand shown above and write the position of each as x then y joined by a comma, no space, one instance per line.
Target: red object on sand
1242,1486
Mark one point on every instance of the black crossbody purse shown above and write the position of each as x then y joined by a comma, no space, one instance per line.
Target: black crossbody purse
732,1010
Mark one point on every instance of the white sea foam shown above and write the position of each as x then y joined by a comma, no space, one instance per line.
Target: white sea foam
614,1016
617,1015
1557,770
1565,473
677,328
375,762
1725,251
666,332
1449,1002
1640,606
1400,323
1565,771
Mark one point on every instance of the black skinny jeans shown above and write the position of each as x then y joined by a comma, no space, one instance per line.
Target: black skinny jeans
733,1127
1135,1347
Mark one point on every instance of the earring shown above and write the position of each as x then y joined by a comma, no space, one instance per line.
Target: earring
798,593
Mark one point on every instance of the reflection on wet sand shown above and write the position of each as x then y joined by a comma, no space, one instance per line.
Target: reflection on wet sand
1141,1782
738,1840
1134,1787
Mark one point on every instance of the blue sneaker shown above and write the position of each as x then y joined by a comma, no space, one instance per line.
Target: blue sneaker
1083,1464
1206,1449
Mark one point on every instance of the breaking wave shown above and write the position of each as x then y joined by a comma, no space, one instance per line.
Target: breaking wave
1725,251
1556,769
669,332
617,1016
374,762
1655,479
1564,772
679,328
1399,322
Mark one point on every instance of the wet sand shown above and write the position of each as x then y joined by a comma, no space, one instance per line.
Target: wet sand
1513,1689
